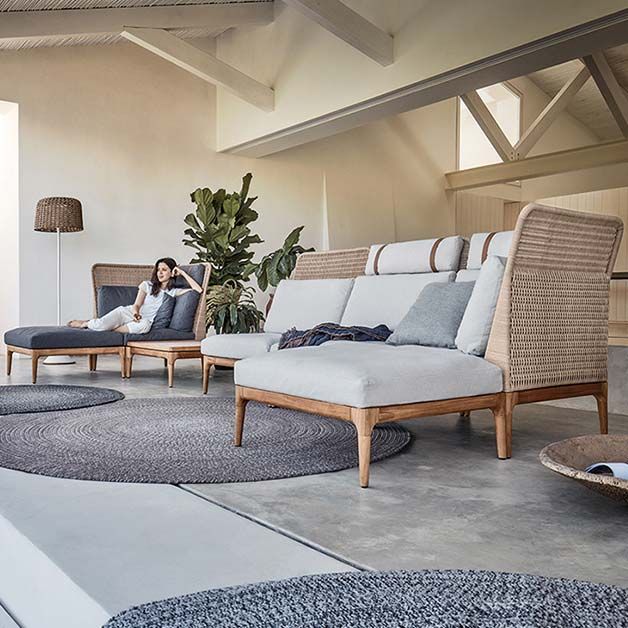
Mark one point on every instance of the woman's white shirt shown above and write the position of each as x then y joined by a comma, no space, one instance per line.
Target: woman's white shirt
152,303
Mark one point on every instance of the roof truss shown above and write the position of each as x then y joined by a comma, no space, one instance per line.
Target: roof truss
202,64
351,27
68,22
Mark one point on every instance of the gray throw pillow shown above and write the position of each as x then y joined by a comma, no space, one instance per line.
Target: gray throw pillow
110,297
184,311
164,313
434,318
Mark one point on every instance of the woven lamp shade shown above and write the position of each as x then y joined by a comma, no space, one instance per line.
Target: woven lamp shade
59,213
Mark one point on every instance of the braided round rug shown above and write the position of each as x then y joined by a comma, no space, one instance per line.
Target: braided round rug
44,398
421,599
184,440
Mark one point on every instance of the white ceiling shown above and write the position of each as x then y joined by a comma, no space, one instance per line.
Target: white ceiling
588,106
53,5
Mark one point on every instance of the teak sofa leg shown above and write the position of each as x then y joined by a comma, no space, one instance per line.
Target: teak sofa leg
207,365
364,420
503,425
239,416
9,361
34,361
93,357
602,407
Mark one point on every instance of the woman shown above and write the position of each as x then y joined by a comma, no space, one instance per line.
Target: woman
138,318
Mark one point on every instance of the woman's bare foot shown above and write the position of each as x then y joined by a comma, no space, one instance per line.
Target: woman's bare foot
78,324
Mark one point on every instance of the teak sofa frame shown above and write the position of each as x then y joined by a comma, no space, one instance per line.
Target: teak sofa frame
110,275
549,335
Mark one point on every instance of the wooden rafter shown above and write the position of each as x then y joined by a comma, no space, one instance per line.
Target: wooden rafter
202,64
219,17
554,108
540,165
611,90
489,125
351,27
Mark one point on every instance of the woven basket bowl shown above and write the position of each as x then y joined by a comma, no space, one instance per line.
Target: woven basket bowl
572,456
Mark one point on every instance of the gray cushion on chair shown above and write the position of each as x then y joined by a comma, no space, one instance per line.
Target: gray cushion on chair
184,311
164,313
434,318
111,297
61,338
196,271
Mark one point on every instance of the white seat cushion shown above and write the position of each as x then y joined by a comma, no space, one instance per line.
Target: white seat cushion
305,303
467,275
238,346
386,299
370,374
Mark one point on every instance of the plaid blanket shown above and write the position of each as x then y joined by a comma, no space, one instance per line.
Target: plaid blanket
331,331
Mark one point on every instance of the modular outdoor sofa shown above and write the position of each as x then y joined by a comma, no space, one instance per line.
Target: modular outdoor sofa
38,342
548,341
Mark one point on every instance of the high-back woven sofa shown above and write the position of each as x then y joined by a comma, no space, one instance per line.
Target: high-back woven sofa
38,342
548,341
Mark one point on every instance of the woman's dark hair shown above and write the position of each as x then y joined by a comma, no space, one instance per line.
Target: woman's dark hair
171,264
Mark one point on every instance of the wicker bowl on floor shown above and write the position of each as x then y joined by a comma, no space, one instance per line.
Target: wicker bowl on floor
572,456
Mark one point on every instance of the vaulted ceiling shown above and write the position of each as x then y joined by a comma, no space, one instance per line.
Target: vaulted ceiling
587,106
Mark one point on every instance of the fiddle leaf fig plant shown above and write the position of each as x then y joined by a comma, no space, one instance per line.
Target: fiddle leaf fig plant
219,230
220,234
279,265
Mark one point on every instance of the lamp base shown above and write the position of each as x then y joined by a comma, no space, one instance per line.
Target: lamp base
59,359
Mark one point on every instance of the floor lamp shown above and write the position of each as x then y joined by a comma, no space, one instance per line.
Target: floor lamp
59,215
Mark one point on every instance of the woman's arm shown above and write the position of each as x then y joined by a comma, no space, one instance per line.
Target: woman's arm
193,284
139,301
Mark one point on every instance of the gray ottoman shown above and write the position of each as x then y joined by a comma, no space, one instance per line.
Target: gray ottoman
42,341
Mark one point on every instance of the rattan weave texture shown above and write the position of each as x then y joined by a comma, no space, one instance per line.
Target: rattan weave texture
59,213
551,323
341,264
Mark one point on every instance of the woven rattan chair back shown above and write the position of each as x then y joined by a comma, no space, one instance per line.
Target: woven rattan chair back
551,322
133,275
340,264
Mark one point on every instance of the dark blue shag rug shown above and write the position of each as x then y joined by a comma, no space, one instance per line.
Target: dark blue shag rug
425,599
47,398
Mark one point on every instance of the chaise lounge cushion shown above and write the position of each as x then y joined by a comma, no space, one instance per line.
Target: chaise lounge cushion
367,374
238,346
160,334
61,338
386,299
111,297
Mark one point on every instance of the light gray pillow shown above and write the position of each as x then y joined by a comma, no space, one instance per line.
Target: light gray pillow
434,318
477,321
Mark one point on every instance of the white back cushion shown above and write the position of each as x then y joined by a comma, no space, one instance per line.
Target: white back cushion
414,256
467,275
305,303
499,245
475,327
386,299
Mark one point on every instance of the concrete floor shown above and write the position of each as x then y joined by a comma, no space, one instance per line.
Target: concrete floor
445,502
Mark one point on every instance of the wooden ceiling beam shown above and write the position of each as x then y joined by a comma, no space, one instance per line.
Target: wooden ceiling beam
202,64
21,25
612,92
554,108
351,27
488,124
540,166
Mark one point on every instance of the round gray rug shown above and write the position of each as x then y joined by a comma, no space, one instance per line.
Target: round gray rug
36,398
425,599
184,440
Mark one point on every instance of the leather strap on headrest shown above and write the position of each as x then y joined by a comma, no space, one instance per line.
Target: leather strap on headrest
487,243
376,260
433,254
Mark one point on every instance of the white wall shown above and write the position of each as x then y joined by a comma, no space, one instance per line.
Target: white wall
9,209
131,136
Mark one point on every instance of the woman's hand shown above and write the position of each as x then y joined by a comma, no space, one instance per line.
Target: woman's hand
136,312
176,271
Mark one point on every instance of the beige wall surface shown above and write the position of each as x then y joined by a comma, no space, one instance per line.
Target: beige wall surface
315,73
9,208
130,135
